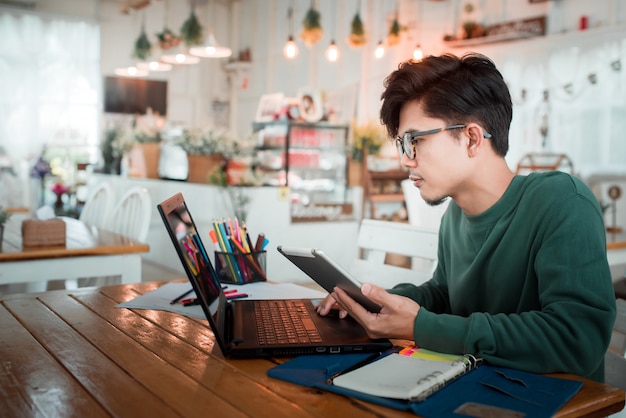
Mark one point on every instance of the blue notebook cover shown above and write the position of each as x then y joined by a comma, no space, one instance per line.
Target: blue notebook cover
495,387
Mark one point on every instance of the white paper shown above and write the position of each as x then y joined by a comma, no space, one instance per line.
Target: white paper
159,299
401,377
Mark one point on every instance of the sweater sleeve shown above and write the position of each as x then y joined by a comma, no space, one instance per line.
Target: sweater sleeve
570,327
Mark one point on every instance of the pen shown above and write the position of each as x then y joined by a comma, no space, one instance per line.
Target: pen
236,296
353,367
192,301
178,298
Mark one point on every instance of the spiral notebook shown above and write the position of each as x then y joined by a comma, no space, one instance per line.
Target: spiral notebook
402,376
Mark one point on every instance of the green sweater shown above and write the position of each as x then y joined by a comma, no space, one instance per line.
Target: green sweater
525,284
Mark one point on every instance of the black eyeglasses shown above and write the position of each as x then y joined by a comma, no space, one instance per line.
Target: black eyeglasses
407,142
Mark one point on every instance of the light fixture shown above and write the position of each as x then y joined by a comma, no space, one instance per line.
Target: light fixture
153,64
290,50
417,53
379,52
179,56
210,49
332,52
131,71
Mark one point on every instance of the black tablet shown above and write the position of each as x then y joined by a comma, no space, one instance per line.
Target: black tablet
327,273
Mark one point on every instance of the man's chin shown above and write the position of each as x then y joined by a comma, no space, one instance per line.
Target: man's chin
436,201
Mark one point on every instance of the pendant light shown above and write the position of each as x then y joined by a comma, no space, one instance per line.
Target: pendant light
131,71
179,56
417,53
142,48
379,52
210,48
332,52
290,50
154,64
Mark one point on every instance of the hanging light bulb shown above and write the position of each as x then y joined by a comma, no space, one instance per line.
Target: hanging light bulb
379,52
155,65
290,50
210,49
178,55
131,71
332,52
417,53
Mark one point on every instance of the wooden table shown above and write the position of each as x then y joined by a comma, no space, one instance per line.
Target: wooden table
73,353
88,252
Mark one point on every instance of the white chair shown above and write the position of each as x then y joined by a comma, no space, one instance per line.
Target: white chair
419,212
98,205
378,239
131,215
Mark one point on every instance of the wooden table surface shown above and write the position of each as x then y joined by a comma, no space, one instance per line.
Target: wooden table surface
81,240
72,353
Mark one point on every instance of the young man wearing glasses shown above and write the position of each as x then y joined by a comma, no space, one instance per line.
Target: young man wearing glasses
522,279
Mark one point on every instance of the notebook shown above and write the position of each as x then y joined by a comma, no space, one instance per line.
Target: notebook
240,325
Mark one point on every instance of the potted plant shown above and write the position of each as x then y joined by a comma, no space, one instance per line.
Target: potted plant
117,141
205,152
367,139
4,217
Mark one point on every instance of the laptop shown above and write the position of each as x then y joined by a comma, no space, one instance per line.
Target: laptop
241,326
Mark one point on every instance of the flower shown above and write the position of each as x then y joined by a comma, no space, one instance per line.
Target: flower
41,168
207,142
167,39
59,188
369,135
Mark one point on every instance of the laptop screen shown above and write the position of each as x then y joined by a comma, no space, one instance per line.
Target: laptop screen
192,253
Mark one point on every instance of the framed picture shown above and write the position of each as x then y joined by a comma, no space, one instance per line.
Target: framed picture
311,106
269,107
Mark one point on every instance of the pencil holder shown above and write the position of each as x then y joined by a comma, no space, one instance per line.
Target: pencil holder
237,268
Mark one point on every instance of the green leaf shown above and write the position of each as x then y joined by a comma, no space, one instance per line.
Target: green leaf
142,46
191,31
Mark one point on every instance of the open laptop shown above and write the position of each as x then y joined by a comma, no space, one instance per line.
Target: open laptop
238,325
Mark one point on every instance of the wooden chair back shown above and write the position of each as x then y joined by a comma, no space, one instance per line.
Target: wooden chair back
377,240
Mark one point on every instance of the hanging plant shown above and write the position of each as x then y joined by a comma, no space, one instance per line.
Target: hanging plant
393,38
357,33
167,39
311,27
191,31
143,47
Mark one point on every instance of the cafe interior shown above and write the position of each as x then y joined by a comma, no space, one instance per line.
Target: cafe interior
266,112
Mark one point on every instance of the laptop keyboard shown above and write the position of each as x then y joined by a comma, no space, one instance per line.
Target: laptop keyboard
284,322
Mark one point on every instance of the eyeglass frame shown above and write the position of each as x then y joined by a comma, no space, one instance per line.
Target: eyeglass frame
402,142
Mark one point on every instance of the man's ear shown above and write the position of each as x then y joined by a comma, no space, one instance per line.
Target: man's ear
475,139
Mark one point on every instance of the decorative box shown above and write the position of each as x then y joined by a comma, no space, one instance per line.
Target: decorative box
37,233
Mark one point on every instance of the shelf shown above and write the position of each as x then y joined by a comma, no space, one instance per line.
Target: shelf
579,38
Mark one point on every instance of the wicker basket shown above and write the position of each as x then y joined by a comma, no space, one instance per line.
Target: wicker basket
36,233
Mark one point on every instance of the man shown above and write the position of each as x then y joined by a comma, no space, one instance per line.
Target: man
522,279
